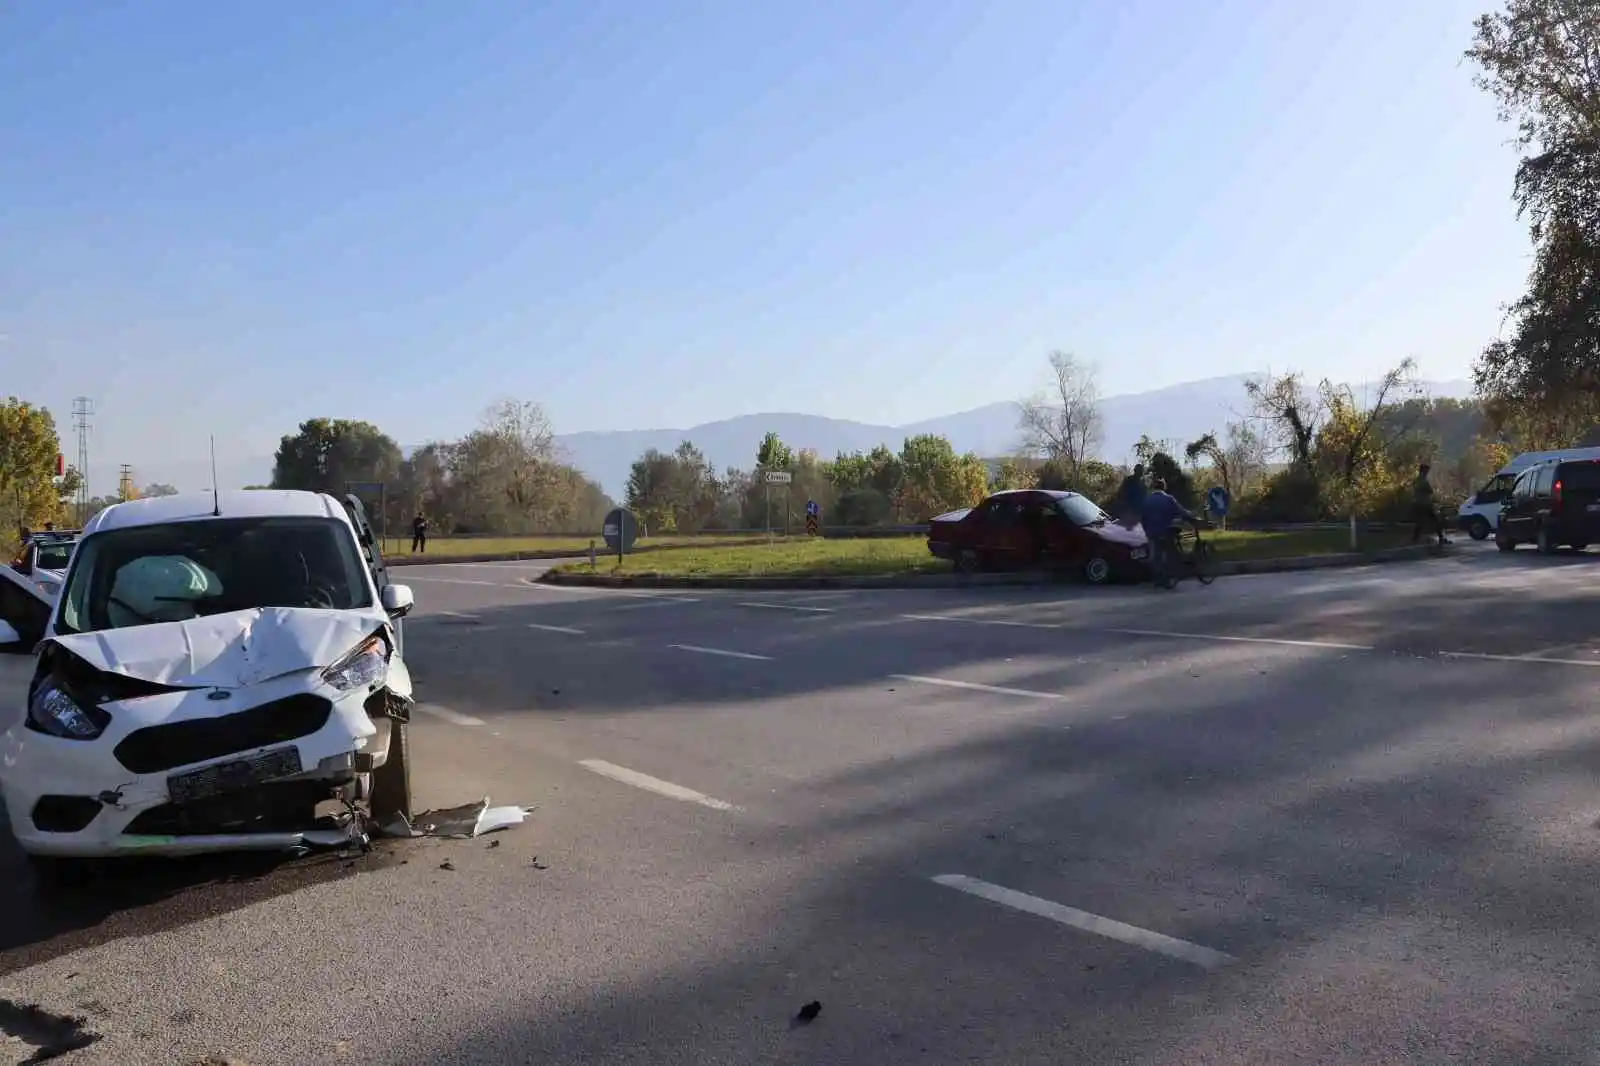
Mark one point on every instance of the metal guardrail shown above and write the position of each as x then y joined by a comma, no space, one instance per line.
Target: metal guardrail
919,529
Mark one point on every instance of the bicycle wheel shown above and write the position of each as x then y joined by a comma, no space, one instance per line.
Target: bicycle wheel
1205,563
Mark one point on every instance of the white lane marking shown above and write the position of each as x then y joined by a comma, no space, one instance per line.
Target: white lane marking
975,687
1518,658
789,607
1159,943
982,621
453,717
1226,638
555,629
653,784
658,601
455,614
720,651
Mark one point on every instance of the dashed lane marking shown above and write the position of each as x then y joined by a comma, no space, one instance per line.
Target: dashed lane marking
653,784
1160,943
445,713
973,686
721,651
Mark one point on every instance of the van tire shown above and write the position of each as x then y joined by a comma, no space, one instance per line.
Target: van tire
1545,544
1505,544
1478,528
391,782
968,561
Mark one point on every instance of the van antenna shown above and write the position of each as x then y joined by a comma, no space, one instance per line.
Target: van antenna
216,499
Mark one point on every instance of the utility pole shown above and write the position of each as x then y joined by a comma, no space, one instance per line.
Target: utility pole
83,421
125,489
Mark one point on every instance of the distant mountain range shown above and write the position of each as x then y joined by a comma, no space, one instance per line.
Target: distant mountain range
1178,413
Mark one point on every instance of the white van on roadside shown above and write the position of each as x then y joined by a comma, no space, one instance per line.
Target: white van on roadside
1479,516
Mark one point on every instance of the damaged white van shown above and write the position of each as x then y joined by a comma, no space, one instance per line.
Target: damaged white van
220,672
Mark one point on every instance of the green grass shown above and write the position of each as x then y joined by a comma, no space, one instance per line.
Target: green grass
816,557
446,548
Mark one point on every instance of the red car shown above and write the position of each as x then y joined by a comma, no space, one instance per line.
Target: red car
1037,527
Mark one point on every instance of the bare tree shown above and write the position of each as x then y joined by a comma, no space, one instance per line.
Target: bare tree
1062,422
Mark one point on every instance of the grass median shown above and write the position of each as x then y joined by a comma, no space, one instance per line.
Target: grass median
818,557
446,548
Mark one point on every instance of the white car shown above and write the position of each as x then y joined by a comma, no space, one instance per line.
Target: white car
217,674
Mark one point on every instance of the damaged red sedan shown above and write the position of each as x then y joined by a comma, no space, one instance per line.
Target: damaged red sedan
1040,527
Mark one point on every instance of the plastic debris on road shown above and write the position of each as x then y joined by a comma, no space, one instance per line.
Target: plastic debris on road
469,820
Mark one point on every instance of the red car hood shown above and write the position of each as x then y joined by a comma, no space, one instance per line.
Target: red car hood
1117,533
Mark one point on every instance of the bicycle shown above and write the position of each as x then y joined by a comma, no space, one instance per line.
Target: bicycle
1189,552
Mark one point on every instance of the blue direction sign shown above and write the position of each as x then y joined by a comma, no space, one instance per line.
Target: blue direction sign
813,508
621,530
1217,500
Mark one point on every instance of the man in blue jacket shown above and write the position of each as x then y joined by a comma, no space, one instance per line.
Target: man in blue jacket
1160,515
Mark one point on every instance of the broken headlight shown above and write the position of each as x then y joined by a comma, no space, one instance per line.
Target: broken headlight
366,665
54,712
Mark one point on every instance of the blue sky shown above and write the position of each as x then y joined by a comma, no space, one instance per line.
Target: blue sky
228,217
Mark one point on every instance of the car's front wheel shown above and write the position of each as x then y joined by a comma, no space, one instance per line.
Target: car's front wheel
1097,570
968,561
1478,528
1545,544
1504,543
391,782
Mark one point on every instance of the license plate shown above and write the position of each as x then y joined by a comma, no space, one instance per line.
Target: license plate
1141,553
231,776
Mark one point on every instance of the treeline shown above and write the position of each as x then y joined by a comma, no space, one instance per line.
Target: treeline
506,477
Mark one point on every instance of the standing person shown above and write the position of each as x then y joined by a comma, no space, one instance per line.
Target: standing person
1130,496
1422,504
419,534
1160,516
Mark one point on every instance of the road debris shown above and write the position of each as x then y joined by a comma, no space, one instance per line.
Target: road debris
808,1013
464,822
447,865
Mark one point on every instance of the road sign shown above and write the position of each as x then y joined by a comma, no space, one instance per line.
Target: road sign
811,525
1217,500
621,530
779,477
813,509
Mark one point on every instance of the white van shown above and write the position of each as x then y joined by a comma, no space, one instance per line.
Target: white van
1480,513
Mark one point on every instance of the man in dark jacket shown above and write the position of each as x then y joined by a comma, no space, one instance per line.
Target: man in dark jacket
1131,494
1160,516
419,534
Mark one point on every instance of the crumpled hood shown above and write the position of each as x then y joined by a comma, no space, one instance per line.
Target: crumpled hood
1118,533
225,650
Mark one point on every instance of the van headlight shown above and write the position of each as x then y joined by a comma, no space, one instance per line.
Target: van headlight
366,664
52,711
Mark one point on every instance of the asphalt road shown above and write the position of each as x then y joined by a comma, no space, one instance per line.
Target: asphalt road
1334,817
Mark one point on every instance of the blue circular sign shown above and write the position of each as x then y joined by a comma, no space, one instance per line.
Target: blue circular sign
620,530
1217,500
813,508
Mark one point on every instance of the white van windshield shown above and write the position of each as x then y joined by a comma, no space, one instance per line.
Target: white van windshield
181,570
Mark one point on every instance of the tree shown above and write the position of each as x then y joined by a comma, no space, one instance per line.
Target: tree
1014,473
1179,485
866,487
1206,447
1354,440
325,455
673,493
157,488
1062,422
937,479
29,494
773,454
1540,60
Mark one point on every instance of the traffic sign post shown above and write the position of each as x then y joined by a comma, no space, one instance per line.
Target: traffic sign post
813,518
777,477
621,529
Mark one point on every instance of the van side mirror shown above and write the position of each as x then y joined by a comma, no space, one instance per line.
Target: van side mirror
398,600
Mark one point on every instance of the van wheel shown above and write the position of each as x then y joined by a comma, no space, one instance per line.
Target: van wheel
1097,571
1478,528
1546,546
391,782
1579,545
1503,543
967,561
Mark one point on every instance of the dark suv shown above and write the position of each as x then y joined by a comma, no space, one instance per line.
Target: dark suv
1552,504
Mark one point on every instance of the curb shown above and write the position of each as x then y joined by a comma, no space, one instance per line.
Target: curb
545,554
940,581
